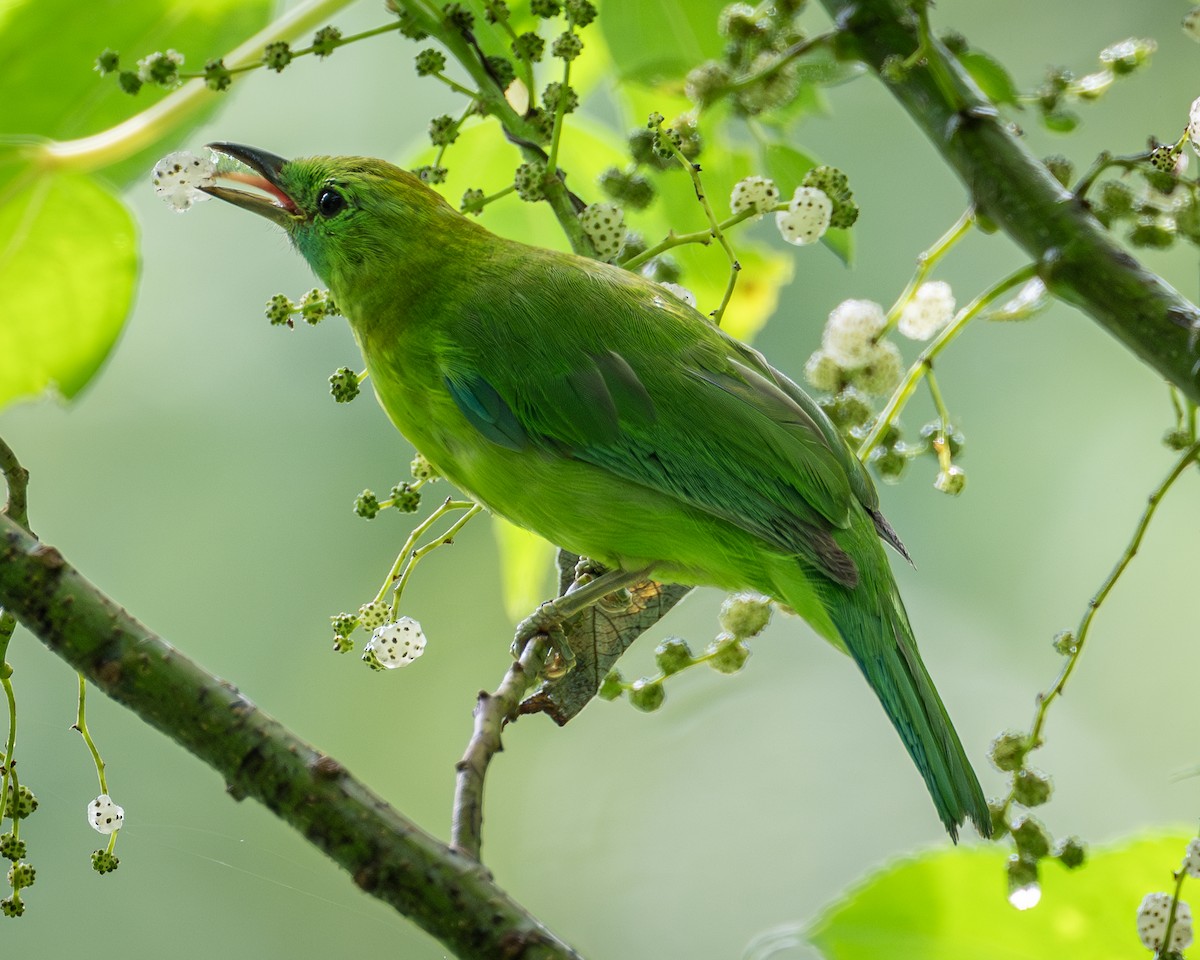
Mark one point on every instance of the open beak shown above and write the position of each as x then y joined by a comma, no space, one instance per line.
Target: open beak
272,203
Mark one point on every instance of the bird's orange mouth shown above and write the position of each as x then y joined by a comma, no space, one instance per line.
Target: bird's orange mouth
270,200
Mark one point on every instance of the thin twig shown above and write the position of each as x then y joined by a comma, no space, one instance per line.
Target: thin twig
492,712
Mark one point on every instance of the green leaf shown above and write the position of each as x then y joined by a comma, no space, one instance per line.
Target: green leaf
951,903
48,49
68,267
991,76
653,42
526,562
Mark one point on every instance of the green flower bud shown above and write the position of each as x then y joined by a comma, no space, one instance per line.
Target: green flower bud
528,181
458,17
429,62
131,83
314,306
104,862
739,22
21,875
889,463
551,94
844,215
952,480
216,76
472,201
1060,168
422,469
630,190
366,505
673,655
11,848
728,654
745,614
279,310
999,819
405,499
825,373
503,71
641,149
1022,873
612,686
1033,842
529,46
1070,852
276,56
326,41
443,131
12,906
343,385
1008,751
1152,233
566,46
1031,788
647,695
1126,56
954,439
342,643
1178,440
496,11
707,83
581,12
344,623
545,8
431,173
108,62
1064,643
846,409
21,803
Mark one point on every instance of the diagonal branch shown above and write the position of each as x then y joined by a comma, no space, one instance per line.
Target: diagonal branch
1076,257
449,895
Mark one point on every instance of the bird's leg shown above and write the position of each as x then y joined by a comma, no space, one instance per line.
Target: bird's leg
551,615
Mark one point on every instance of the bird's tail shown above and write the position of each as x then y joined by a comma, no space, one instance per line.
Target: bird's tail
892,665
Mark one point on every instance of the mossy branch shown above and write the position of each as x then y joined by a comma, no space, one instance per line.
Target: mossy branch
449,895
1076,257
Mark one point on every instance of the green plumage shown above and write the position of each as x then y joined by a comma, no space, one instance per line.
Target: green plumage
591,406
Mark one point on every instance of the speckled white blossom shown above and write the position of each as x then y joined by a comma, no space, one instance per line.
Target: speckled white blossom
374,614
754,193
604,224
104,816
929,309
850,332
683,293
395,644
178,177
1152,922
806,218
1191,859
1193,127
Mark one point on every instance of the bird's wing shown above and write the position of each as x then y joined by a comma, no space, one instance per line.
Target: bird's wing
642,386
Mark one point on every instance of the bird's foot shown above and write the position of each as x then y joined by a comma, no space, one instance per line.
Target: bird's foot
546,621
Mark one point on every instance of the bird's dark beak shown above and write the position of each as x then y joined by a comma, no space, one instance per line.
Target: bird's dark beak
272,203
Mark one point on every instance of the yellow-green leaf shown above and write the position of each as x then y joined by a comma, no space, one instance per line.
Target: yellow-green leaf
526,562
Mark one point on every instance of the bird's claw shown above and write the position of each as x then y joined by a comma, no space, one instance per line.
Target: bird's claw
545,622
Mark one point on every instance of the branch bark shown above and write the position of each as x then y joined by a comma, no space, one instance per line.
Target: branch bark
449,895
1076,257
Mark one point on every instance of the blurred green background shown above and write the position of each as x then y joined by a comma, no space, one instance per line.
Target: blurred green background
204,480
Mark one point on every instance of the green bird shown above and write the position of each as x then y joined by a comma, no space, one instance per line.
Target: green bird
591,406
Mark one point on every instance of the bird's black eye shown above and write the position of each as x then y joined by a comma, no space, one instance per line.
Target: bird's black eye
330,203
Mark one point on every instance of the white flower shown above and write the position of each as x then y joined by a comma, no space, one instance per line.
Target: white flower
929,309
850,332
604,224
104,815
1193,127
806,218
754,193
177,178
1152,922
395,644
1191,859
683,293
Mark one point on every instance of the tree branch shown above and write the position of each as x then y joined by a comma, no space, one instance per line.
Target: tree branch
1076,257
449,895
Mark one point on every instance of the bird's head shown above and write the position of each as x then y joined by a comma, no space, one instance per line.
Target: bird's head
348,216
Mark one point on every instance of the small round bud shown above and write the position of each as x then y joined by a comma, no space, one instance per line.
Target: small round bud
647,695
952,480
998,814
129,82
1152,917
1153,233
612,686
344,623
545,8
104,862
216,75
641,149
727,654
847,409
1176,439
395,644
443,131
1008,751
430,62
673,655
405,498
374,614
824,372
849,336
11,847
343,385
706,83
739,22
1023,889
431,173
472,201
758,194
745,614
881,373
1061,168
604,224
1070,852
422,469
529,46
178,178
276,56
160,68
104,816
21,875
108,62
928,311
889,462
581,12
1031,788
528,181
279,310
681,293
552,93
1031,838
315,306
326,40
806,218
366,505
458,17
566,46
627,189
1064,643
12,906
21,803
1126,56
